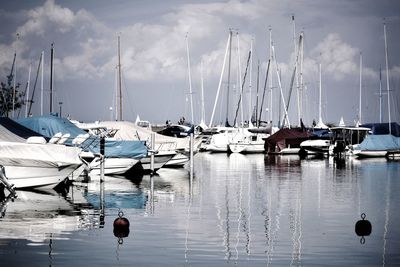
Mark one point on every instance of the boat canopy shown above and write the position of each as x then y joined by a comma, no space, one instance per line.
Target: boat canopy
51,125
287,137
17,129
381,142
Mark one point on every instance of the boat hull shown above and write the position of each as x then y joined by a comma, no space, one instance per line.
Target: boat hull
113,166
36,173
369,153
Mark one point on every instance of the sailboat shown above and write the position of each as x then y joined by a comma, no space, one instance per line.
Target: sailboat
379,145
222,135
320,145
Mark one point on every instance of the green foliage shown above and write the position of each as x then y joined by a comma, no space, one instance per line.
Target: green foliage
6,97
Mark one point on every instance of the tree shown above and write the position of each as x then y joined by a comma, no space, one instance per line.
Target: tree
6,97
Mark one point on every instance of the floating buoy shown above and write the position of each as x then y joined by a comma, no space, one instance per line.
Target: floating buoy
363,228
121,226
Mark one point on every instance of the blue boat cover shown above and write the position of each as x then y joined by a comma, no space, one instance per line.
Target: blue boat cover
50,125
18,129
380,142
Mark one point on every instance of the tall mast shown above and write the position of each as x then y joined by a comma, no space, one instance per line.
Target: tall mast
15,76
190,78
387,77
229,78
240,74
359,104
51,76
295,71
27,90
270,80
301,74
220,81
119,79
258,83
380,94
41,83
250,77
320,96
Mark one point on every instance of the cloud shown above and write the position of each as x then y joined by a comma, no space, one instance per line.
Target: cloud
336,57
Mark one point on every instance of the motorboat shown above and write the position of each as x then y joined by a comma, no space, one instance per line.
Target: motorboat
120,156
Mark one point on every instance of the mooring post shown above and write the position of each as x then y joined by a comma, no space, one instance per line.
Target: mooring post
152,147
102,152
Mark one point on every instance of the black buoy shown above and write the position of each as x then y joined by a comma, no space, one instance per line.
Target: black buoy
363,228
121,226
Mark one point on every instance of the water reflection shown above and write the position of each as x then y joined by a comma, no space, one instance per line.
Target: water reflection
38,215
245,210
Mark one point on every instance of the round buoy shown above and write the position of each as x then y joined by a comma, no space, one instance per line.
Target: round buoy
363,228
121,226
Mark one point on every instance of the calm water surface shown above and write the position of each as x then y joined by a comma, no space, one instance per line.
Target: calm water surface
239,210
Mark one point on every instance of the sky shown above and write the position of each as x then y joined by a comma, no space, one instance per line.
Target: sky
159,38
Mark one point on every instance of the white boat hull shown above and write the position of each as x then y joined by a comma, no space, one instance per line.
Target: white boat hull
369,153
160,159
37,165
246,147
37,174
177,161
113,165
290,151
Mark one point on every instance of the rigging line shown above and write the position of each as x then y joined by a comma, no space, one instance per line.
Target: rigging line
265,88
241,93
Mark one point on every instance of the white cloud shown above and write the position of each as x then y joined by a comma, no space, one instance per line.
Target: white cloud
336,57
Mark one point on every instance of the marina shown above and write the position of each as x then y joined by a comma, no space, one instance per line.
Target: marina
237,210
199,133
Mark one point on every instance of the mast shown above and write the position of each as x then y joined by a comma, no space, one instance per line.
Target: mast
41,82
34,85
220,81
27,90
359,104
320,96
15,76
250,78
301,74
51,76
380,94
265,88
295,69
190,77
258,83
229,78
240,74
119,79
387,77
270,80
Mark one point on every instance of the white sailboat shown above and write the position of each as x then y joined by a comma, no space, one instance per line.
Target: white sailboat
318,145
380,145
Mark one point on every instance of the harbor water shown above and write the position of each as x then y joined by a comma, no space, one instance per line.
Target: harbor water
235,210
